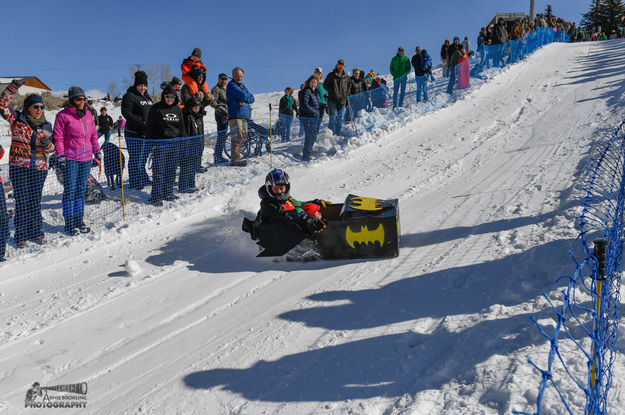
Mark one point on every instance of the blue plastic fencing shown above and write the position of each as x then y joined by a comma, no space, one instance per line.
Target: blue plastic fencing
370,106
587,319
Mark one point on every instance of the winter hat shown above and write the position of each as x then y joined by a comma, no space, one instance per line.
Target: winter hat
223,76
193,102
311,208
141,78
169,90
341,62
456,38
318,69
400,49
90,102
197,53
175,81
75,92
32,100
103,109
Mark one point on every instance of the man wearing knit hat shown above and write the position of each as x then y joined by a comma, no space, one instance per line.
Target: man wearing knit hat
136,105
400,68
337,86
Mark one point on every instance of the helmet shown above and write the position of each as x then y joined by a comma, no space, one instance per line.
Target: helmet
278,177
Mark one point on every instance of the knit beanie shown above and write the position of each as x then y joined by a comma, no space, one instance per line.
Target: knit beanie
32,100
141,78
75,92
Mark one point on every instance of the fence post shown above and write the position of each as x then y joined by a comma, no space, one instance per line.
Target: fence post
121,169
600,254
270,140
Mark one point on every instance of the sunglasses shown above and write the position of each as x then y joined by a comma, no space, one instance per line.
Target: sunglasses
38,107
170,96
79,99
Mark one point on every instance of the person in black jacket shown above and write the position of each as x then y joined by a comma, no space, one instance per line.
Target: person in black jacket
105,125
276,201
309,112
191,149
444,57
287,109
165,122
423,70
136,105
337,86
499,38
93,112
357,83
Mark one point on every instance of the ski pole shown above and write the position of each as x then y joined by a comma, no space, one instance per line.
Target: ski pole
121,169
270,140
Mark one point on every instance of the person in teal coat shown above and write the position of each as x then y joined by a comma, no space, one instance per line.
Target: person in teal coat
400,68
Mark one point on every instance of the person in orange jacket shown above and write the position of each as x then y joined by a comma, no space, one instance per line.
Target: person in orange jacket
187,66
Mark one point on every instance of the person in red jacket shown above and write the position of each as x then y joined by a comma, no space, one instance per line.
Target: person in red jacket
187,66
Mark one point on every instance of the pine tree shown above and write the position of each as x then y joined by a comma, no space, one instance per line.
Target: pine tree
604,15
549,12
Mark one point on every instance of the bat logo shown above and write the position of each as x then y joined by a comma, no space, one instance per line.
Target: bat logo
365,236
366,203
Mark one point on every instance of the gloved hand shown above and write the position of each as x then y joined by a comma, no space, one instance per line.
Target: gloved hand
17,83
322,203
221,111
311,224
96,160
61,162
44,141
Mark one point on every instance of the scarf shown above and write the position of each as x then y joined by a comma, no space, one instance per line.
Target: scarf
35,122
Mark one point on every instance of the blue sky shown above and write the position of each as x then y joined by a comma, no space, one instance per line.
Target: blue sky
91,43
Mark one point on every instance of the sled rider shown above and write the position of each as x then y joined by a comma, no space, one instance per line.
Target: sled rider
277,201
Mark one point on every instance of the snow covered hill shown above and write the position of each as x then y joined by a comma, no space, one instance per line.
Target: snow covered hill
173,314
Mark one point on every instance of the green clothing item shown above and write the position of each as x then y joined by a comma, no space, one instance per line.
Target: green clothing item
400,66
453,59
603,37
322,94
35,122
289,101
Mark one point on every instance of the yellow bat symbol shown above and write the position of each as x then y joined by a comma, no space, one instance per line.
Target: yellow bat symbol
366,203
365,236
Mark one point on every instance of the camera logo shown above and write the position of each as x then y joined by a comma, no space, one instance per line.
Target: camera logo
73,395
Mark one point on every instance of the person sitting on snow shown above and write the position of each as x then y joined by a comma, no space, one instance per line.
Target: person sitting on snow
276,200
195,60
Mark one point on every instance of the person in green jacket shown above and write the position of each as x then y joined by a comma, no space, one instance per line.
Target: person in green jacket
400,68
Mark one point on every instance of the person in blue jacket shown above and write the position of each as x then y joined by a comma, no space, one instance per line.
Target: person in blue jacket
309,112
239,114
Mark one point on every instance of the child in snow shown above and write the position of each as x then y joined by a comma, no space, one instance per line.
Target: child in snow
187,66
276,200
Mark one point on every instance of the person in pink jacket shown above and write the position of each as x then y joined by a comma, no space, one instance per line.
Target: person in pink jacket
76,142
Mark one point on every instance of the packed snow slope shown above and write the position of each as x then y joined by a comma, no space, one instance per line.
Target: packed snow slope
173,313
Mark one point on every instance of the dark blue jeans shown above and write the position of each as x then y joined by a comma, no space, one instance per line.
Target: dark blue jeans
138,151
222,128
422,88
164,166
286,121
310,136
107,135
452,80
28,186
75,177
399,90
4,223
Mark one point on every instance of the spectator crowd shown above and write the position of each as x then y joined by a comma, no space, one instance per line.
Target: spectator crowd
171,131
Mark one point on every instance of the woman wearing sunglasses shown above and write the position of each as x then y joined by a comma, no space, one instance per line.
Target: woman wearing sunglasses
28,164
76,140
